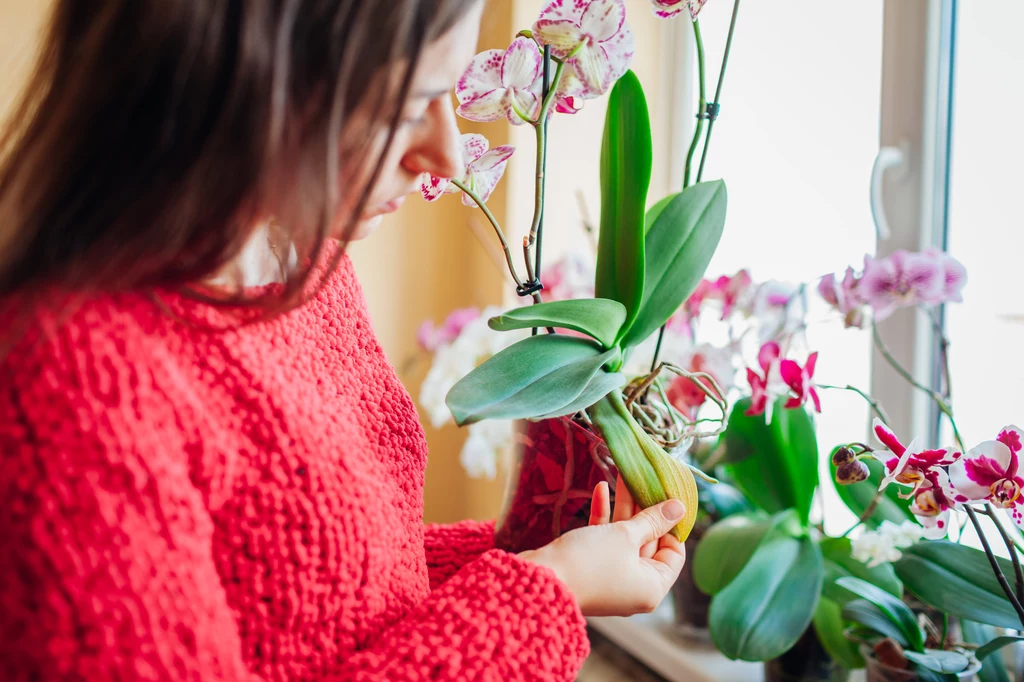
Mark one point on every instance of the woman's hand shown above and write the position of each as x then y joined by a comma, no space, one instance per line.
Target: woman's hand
620,564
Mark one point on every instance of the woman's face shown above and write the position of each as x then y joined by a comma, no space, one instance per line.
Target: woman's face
427,139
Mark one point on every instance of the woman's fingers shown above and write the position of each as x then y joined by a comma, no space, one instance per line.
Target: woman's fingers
623,502
600,505
671,553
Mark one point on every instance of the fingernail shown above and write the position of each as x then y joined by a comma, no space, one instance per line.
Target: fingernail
673,510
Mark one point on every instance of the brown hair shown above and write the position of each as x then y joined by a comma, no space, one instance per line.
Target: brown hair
153,134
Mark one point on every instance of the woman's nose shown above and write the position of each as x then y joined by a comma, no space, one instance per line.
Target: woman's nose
438,148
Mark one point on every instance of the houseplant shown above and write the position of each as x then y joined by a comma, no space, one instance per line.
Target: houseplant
570,381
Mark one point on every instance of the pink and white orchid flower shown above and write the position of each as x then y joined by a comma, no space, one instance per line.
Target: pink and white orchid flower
954,275
502,84
900,280
933,500
667,9
431,337
593,37
908,465
843,297
766,387
991,471
799,381
684,394
483,170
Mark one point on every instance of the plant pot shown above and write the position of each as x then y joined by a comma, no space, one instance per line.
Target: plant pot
692,605
807,661
551,482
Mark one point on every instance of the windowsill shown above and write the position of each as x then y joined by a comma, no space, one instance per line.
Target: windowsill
652,639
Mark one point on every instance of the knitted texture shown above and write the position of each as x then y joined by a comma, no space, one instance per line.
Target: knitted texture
240,505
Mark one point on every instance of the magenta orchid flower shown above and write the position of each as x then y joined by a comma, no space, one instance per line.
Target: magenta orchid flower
768,385
593,37
667,9
991,472
908,465
733,291
484,169
844,297
901,280
799,381
502,84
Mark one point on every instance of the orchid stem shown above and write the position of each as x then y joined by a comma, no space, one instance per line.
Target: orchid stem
1018,572
875,406
973,516
718,88
497,228
701,105
868,511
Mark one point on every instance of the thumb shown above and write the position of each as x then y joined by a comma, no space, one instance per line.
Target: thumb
653,522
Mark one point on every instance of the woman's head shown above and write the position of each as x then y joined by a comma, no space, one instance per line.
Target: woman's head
155,136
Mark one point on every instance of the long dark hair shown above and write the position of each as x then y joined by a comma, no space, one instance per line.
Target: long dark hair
153,134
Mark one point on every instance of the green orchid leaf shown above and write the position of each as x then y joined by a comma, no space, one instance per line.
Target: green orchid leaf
654,211
957,580
728,545
858,496
993,668
598,318
537,375
893,608
678,247
626,158
839,563
874,619
997,644
945,662
601,385
722,500
830,627
778,462
765,609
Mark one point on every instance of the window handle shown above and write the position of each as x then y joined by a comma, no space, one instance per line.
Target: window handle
887,158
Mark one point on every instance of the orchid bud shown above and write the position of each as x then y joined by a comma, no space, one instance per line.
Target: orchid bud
842,456
852,472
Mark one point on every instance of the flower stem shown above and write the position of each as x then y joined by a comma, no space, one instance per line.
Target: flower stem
718,88
1018,572
497,228
868,511
541,130
875,406
701,105
973,516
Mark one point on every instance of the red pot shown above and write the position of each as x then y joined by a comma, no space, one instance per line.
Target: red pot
551,483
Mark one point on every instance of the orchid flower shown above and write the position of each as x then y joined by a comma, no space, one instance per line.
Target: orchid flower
769,385
593,37
933,499
667,9
954,275
991,471
733,291
900,280
843,297
483,170
907,465
431,336
502,84
799,381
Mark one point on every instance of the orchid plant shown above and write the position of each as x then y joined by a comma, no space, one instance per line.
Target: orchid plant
648,262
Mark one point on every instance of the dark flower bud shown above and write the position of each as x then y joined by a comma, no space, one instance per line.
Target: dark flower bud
890,653
852,472
842,456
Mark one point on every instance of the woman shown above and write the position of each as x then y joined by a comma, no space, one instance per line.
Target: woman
209,470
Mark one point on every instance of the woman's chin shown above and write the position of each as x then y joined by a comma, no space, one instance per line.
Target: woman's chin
364,228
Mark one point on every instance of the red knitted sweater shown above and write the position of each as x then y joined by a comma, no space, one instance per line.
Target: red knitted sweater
178,504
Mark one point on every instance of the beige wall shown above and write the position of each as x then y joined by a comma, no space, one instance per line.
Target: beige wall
425,261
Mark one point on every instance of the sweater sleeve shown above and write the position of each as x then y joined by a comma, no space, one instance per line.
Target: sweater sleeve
109,573
450,546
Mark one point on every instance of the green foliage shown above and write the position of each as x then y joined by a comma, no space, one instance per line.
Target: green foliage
599,318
